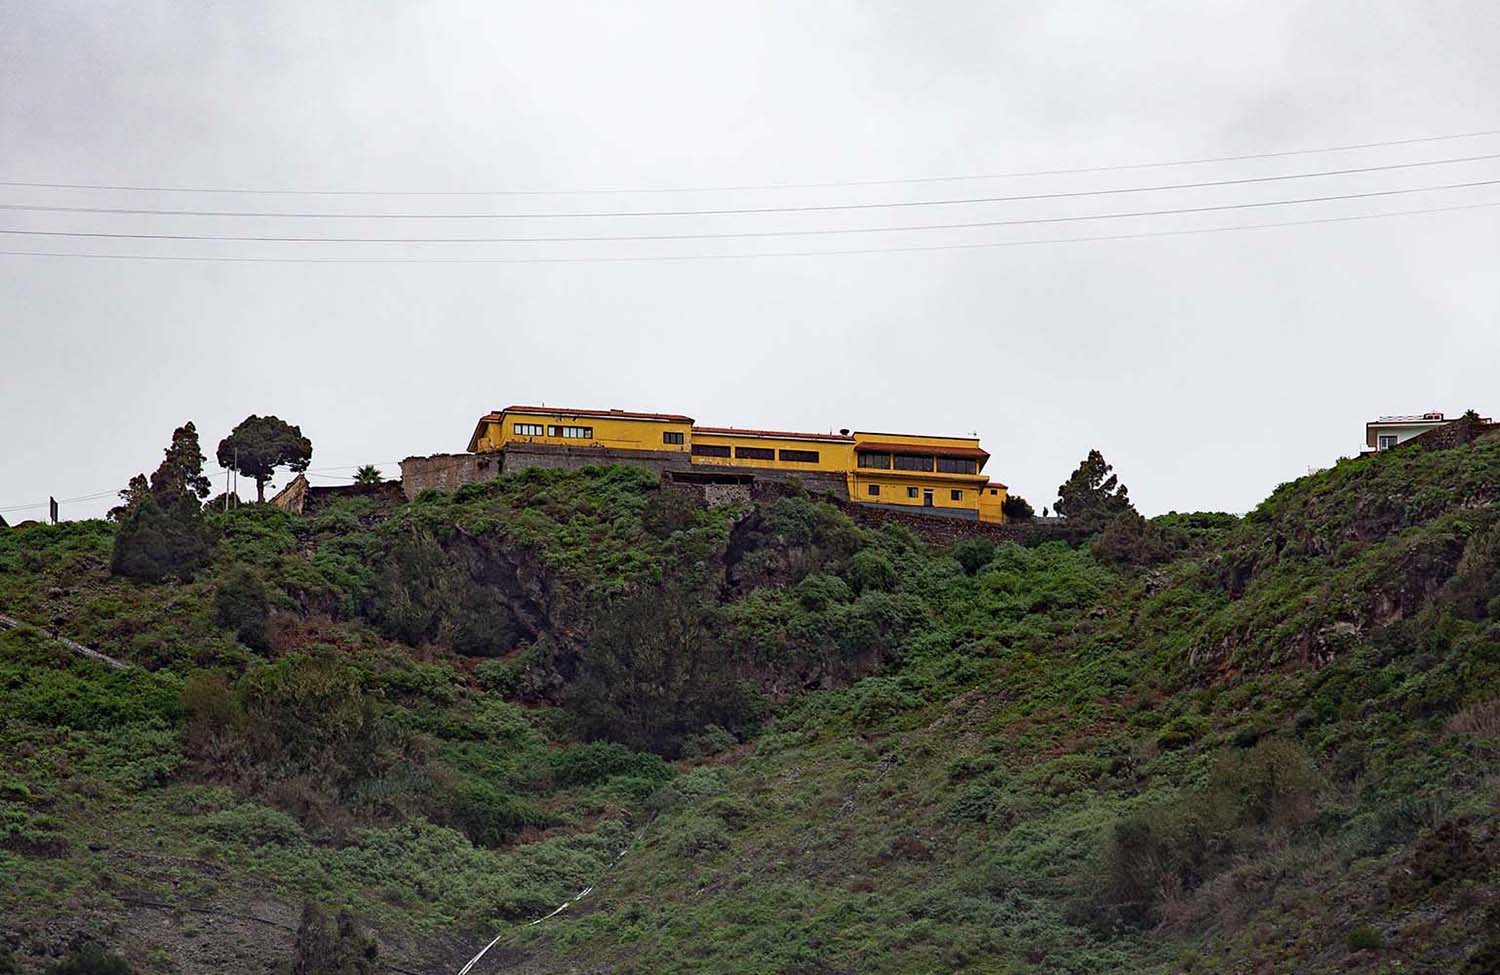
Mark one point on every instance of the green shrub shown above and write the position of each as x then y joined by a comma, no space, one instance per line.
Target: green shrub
599,760
975,804
489,815
1364,938
1179,733
711,741
243,604
697,836
252,825
1273,784
1016,508
974,553
1129,539
89,959
652,675
878,699
668,511
153,544
870,571
817,592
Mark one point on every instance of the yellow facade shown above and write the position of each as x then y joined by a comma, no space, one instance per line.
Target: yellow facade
604,429
942,474
771,450
992,502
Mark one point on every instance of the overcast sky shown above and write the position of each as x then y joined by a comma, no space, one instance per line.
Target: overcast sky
1208,368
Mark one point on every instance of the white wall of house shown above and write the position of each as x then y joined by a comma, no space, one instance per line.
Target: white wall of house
1378,435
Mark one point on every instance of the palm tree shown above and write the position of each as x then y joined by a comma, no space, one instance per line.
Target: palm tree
368,474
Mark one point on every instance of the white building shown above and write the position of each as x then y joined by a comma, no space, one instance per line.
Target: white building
1388,431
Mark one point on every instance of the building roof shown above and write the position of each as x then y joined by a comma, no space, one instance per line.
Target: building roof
1412,418
772,434
924,436
941,450
997,484
566,411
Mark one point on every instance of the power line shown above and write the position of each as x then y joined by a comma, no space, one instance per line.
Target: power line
971,225
733,211
898,181
214,472
61,501
978,245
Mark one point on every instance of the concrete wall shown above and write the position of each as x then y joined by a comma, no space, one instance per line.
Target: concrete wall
519,455
446,472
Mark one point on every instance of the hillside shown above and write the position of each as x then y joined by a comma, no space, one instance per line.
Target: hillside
1198,744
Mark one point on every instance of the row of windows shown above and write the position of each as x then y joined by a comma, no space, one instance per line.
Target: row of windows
672,436
957,465
874,491
567,433
753,453
917,462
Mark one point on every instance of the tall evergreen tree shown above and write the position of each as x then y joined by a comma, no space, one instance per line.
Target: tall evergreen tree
181,470
261,444
1093,495
162,533
138,490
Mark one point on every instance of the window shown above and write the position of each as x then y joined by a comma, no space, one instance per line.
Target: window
873,490
1387,441
552,432
955,495
573,433
670,437
530,430
709,450
877,461
800,456
913,462
911,492
994,491
955,465
755,453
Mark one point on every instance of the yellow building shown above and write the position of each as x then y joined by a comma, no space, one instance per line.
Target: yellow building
936,475
599,429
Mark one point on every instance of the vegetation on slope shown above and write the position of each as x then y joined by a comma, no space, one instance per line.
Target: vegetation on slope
1197,742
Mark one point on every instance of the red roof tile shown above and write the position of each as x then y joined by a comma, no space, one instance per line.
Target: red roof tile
913,448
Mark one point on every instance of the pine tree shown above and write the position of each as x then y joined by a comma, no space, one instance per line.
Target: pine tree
261,444
162,533
1093,495
181,471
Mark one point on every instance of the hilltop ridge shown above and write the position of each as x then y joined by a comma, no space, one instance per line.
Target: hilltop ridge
1196,743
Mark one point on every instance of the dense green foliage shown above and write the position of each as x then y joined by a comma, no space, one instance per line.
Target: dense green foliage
1093,495
1191,743
259,445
